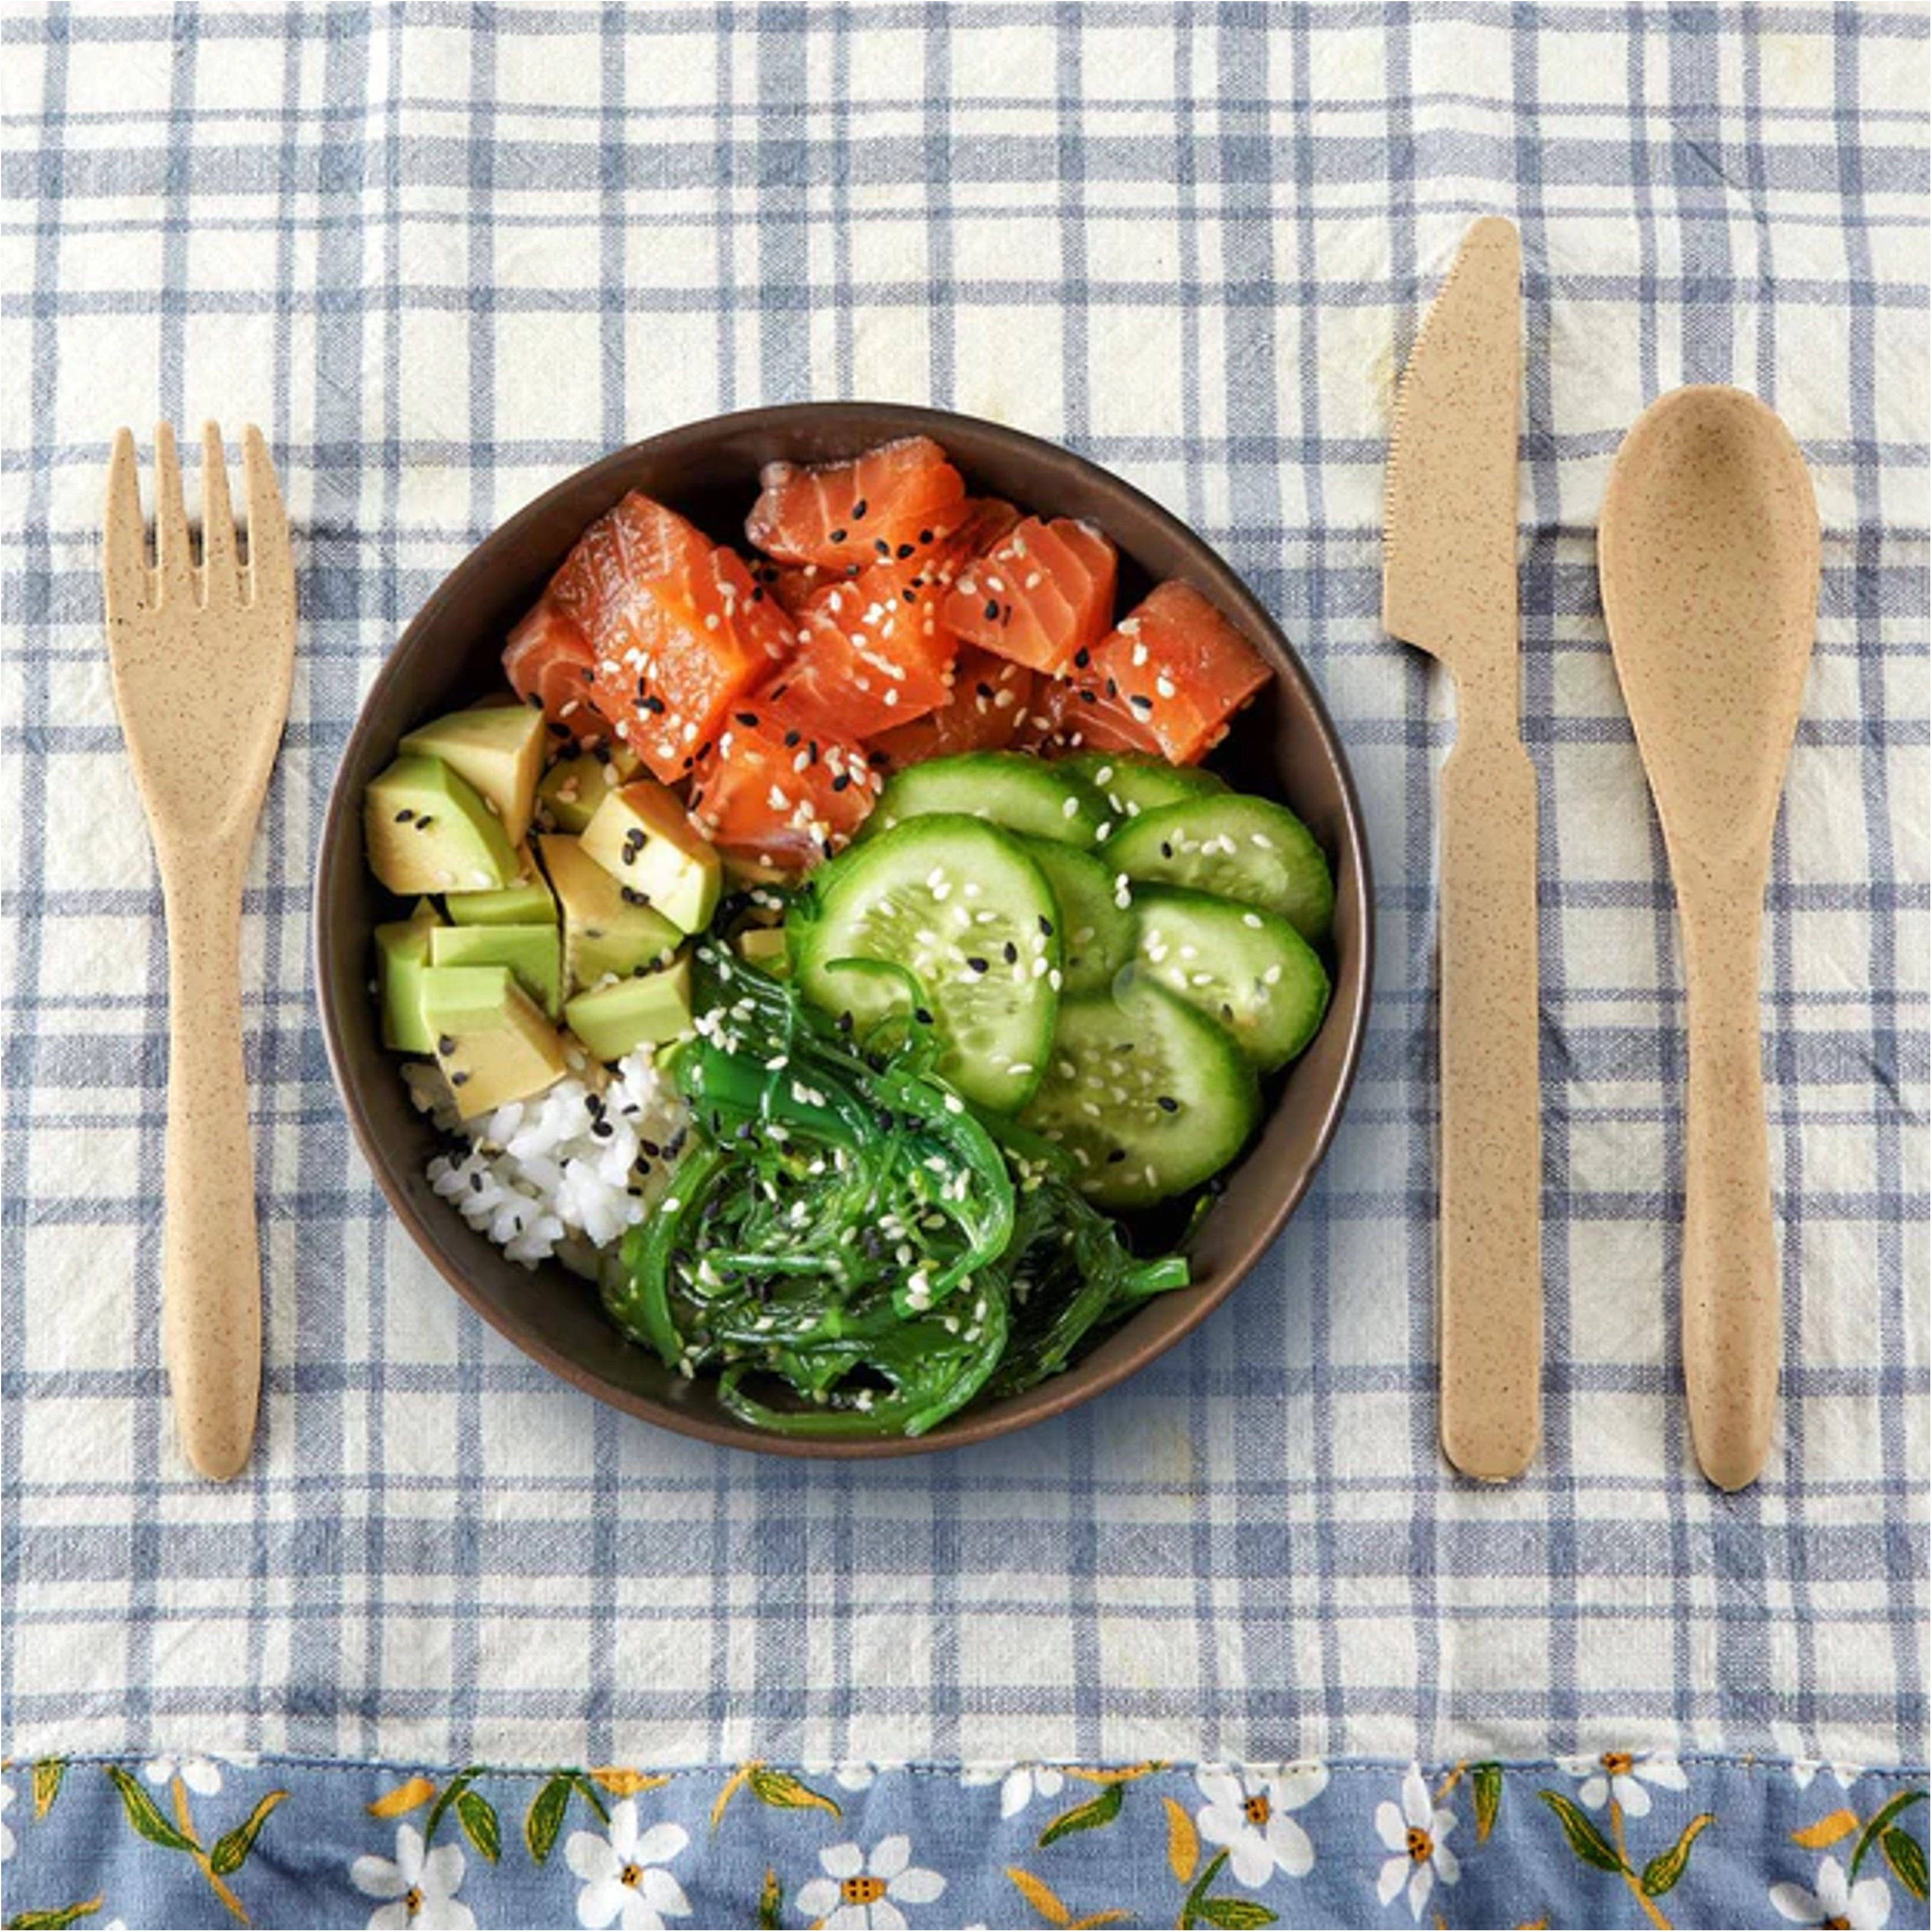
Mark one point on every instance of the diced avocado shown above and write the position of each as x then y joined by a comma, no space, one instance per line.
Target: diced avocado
529,902
764,947
530,952
574,787
498,747
491,1042
640,835
427,830
603,931
613,1019
402,952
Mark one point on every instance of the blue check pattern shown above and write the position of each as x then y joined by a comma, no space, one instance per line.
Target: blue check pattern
442,254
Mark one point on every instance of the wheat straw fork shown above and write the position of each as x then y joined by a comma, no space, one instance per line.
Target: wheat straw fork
203,652
1708,555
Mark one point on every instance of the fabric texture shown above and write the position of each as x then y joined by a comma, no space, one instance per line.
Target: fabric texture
443,255
1621,1839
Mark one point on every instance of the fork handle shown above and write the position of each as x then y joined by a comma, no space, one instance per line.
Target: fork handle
210,1272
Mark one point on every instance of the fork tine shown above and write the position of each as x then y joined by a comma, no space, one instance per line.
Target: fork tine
220,582
174,563
271,570
124,563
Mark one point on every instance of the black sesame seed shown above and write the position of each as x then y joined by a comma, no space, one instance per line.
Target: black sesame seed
458,1079
1119,1153
845,1022
654,705
880,544
1012,951
1045,925
909,596
631,896
905,550
1167,1103
992,609
791,738
1086,696
476,1184
757,593
1083,657
985,689
978,964
702,751
424,824
920,1014
837,536
603,1130
841,781
535,700
1166,849
403,817
858,510
600,752
878,760
926,536
747,718
811,751
1006,614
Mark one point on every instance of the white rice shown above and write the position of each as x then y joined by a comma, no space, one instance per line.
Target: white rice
539,1180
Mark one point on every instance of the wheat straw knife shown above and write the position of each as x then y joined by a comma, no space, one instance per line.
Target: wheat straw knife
1708,556
202,651
1449,588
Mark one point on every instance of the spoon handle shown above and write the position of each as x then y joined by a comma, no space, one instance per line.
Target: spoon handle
1492,1167
1731,1288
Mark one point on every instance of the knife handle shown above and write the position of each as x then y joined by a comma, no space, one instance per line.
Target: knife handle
1491,1275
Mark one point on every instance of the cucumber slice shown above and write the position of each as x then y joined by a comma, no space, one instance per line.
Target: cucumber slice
961,908
1131,784
1097,936
1024,794
1148,1097
1249,849
1249,969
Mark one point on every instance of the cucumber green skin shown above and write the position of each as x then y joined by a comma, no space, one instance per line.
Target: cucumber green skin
823,928
1235,946
1083,889
1290,877
1185,1057
1135,784
1008,788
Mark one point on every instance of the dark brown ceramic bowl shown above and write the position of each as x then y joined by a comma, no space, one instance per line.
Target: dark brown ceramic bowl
1283,745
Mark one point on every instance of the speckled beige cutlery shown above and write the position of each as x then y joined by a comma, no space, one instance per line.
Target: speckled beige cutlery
1708,555
1449,588
202,654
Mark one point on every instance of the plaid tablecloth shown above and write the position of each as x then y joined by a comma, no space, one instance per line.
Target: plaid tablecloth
443,254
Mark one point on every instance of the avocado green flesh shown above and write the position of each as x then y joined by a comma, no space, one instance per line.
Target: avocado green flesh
531,952
604,933
427,830
491,1042
614,1021
496,748
402,952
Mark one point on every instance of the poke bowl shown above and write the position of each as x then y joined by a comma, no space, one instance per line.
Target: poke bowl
450,988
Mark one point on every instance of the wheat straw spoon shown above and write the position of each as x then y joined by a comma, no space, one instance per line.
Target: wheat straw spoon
202,651
1708,555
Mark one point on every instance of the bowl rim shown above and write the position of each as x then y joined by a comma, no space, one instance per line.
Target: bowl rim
1086,1377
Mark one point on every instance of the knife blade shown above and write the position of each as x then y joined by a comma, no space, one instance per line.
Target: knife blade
1449,587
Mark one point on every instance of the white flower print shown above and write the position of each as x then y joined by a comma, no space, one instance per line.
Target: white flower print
1805,1769
6,1830
1249,1814
421,1887
1862,1906
1019,1784
1414,1830
202,1774
851,1776
621,1881
1622,1775
860,1892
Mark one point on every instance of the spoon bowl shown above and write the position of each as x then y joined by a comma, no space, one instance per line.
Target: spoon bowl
1708,552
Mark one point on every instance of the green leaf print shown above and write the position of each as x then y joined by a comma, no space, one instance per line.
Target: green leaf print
1233,1912
1667,1867
771,1902
544,1819
784,1793
1586,1840
1906,1857
1486,1784
68,1915
230,1851
1088,1817
478,1817
146,1816
48,1772
1880,1819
